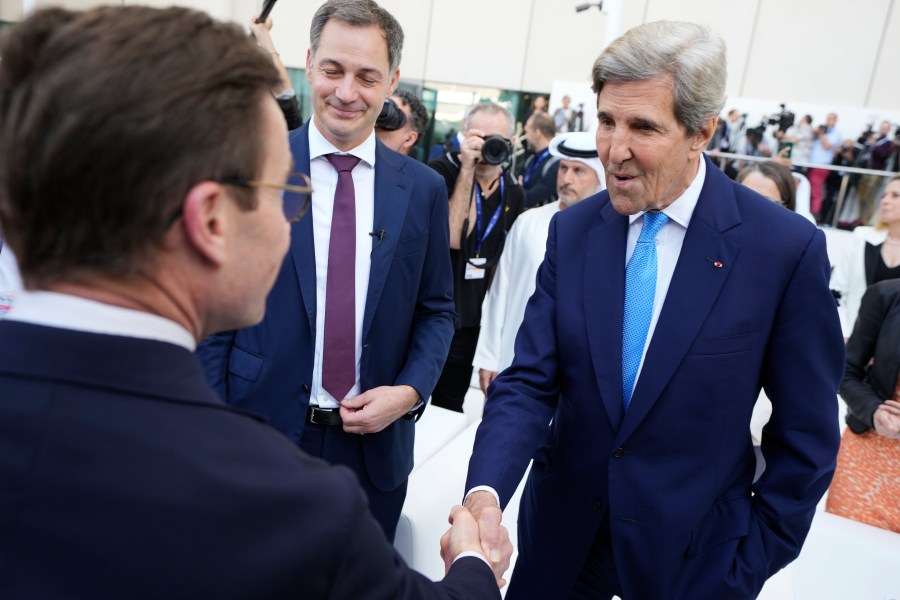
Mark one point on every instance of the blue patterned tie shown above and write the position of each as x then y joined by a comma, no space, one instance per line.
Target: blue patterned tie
640,288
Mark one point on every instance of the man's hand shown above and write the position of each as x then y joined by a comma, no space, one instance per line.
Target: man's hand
494,537
887,419
485,378
470,148
464,535
375,409
261,32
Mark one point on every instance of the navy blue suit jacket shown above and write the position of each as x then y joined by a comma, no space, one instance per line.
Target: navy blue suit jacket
672,475
124,476
407,326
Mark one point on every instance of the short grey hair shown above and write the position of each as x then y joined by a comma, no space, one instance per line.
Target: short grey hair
359,13
692,54
492,108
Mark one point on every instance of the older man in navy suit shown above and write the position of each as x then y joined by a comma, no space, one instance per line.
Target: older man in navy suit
147,215
661,308
359,323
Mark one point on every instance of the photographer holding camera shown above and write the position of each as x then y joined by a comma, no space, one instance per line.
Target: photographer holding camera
484,202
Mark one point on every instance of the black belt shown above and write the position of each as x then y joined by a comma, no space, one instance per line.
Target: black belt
329,417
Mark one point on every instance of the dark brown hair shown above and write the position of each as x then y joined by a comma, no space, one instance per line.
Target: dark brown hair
780,175
107,118
359,13
417,110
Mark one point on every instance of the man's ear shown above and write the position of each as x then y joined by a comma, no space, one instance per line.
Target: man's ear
206,220
395,77
409,141
702,138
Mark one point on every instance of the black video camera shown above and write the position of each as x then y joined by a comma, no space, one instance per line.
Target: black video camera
496,150
756,134
784,119
392,116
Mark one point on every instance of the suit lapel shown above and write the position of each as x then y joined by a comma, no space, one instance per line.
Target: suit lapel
303,248
392,196
695,286
604,280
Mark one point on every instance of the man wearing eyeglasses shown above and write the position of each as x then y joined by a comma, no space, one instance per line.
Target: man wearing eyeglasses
360,319
124,475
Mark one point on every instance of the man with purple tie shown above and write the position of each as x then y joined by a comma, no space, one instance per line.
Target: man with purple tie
359,322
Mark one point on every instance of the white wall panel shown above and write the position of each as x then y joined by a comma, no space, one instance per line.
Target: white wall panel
885,87
562,44
219,9
478,42
815,50
414,17
732,19
797,51
71,4
290,31
11,10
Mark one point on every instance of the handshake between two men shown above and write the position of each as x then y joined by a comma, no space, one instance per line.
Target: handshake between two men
475,529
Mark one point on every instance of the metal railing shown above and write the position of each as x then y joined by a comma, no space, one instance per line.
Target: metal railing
723,157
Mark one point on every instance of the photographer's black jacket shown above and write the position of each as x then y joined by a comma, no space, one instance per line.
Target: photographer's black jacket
469,293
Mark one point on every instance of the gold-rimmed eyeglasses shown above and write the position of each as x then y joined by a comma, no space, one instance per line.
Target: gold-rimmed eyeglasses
295,195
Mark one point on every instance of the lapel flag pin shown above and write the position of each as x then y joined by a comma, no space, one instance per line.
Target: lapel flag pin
716,263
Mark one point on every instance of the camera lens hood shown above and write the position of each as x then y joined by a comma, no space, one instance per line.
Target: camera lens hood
496,150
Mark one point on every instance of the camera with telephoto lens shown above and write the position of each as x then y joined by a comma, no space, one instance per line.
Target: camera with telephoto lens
392,117
496,150
784,119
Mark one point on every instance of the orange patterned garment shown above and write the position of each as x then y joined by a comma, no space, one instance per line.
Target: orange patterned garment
866,485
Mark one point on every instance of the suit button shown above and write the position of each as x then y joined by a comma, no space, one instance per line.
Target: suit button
619,453
306,388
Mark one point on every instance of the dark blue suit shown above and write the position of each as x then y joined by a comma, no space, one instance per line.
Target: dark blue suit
671,478
407,326
124,476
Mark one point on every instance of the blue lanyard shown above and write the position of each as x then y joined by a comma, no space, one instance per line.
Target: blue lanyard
479,238
538,160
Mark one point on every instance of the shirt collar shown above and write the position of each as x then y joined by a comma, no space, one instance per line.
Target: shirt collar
319,146
65,311
683,207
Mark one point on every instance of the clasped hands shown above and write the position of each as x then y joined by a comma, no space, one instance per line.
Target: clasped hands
476,527
375,409
887,419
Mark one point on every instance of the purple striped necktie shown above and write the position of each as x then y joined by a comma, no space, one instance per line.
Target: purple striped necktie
339,355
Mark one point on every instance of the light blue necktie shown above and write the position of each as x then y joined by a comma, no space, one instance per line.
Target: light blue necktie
640,288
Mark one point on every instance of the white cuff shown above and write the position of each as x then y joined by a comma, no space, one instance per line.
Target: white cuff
483,488
476,555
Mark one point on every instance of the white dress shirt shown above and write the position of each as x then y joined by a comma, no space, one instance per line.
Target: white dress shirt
668,246
65,311
10,281
324,182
